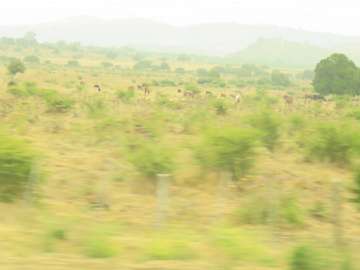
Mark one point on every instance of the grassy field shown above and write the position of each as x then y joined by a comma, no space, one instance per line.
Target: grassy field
91,203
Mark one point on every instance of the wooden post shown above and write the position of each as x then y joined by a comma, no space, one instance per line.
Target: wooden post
337,213
222,194
162,197
33,179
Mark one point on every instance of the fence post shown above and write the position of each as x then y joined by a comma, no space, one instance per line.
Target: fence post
162,197
32,180
336,198
224,179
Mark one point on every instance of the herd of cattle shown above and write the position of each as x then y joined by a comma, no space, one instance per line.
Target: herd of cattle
288,99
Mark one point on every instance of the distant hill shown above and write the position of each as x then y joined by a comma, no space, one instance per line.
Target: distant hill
211,39
280,53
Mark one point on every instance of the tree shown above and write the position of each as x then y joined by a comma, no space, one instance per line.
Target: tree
164,66
32,59
30,38
15,66
338,75
307,75
279,79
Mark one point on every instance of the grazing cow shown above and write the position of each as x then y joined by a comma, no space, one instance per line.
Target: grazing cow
288,100
146,91
314,97
97,87
188,94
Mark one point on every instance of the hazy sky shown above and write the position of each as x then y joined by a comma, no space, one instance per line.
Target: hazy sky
316,15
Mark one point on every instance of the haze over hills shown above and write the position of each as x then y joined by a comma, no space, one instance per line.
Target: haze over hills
211,39
281,53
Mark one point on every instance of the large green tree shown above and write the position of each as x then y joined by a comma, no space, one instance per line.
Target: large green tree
338,75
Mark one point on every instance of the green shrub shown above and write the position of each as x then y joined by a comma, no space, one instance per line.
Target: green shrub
307,258
332,143
259,211
73,63
23,90
296,123
269,126
291,212
16,161
151,159
228,149
18,91
220,107
254,212
241,245
164,101
126,96
354,114
59,103
99,246
192,88
169,249
95,107
59,234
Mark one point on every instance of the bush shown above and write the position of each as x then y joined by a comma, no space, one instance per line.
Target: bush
259,211
126,96
291,212
99,246
192,88
73,63
164,101
240,245
23,90
228,149
33,59
55,101
151,159
15,66
269,126
306,258
16,160
280,79
296,123
169,249
331,143
95,107
220,107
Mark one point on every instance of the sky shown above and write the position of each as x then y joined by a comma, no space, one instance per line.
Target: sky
341,17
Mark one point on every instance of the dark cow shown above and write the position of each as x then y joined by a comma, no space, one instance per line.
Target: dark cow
97,87
314,97
289,100
146,91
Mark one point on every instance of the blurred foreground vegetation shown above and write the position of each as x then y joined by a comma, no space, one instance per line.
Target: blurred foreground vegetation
251,180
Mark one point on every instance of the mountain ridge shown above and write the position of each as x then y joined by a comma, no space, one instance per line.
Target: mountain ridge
207,38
